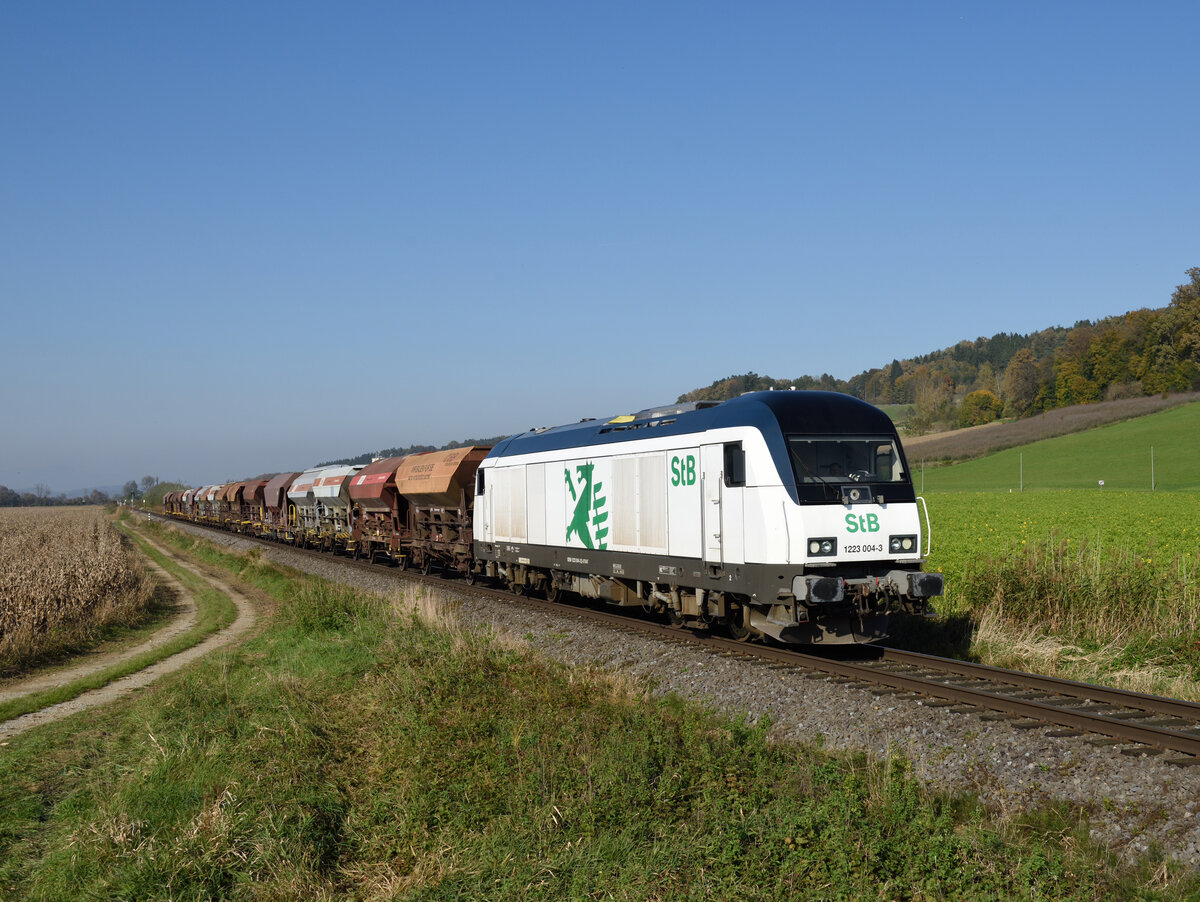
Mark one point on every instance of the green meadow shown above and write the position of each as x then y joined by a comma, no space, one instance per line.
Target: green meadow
1120,455
1070,576
979,511
1153,527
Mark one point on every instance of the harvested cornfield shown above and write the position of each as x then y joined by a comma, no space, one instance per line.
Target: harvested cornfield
65,575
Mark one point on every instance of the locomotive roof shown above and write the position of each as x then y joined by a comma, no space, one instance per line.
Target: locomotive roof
771,412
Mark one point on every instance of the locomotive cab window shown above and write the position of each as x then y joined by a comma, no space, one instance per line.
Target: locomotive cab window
479,481
820,462
735,464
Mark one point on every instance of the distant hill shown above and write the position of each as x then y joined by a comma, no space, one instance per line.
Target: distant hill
1145,353
1141,353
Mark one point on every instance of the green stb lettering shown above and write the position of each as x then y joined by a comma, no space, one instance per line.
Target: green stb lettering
862,523
683,471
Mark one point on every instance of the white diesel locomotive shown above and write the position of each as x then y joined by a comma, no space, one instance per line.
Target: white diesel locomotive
786,514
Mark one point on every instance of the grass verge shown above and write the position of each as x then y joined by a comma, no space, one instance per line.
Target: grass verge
214,611
369,748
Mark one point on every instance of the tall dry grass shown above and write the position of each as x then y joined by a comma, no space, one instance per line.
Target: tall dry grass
65,575
1098,615
1079,589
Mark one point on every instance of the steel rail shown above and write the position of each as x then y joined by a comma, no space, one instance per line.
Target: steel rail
1117,697
1104,724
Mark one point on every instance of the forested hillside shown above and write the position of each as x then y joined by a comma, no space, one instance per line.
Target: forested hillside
1143,352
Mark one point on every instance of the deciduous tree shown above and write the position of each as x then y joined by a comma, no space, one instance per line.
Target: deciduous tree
980,407
1020,382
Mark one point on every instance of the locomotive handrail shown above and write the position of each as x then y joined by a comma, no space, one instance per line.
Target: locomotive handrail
928,526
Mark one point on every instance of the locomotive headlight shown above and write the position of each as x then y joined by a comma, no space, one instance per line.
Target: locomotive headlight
902,544
822,547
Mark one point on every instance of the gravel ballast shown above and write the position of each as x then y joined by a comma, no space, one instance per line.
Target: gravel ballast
1135,801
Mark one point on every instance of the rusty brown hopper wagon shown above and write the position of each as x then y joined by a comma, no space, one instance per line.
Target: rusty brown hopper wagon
440,490
229,503
378,508
252,510
276,501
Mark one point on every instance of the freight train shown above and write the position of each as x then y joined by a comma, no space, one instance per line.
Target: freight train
789,515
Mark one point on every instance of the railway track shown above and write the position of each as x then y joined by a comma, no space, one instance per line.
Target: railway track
1149,724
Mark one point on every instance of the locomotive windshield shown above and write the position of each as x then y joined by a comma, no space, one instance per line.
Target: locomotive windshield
821,463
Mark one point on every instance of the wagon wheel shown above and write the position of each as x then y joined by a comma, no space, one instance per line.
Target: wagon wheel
469,576
426,566
402,562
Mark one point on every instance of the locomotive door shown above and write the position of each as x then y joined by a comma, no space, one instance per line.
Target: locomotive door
721,514
710,514
482,512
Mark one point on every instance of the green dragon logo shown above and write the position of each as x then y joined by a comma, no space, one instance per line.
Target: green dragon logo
590,504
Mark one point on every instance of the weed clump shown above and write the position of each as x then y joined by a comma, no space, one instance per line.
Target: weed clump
319,606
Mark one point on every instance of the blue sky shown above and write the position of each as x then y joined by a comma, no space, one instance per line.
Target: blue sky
245,237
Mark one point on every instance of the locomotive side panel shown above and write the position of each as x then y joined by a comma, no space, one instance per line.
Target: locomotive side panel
683,502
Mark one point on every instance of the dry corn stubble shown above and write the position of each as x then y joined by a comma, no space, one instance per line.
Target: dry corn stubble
65,575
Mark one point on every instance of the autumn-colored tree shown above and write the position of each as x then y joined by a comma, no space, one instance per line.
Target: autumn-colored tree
1184,314
1020,382
979,407
1071,386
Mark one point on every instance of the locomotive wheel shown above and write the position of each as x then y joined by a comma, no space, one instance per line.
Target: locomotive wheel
517,589
736,630
551,592
734,625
